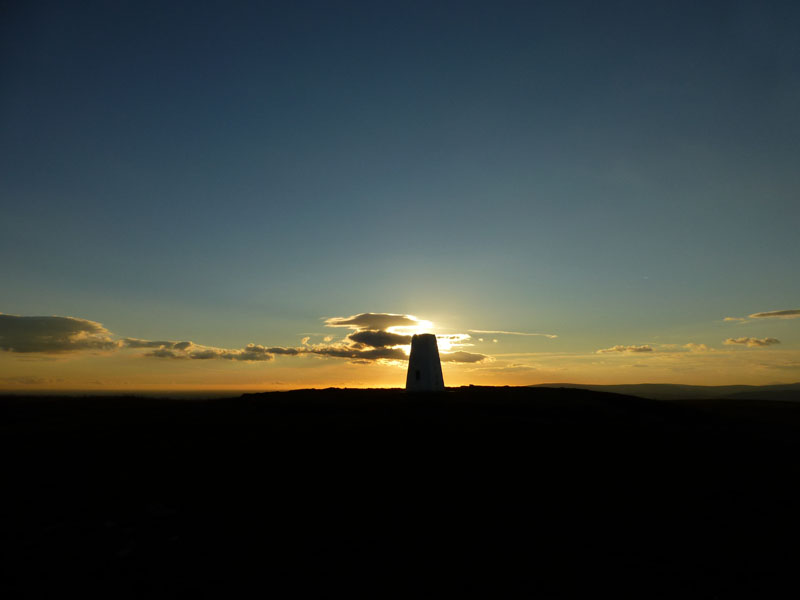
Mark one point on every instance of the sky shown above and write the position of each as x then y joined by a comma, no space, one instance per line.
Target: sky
259,195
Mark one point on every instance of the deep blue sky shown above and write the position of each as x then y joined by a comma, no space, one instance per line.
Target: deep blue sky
234,171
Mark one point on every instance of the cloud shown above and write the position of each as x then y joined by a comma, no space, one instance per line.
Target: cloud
250,353
136,343
373,339
343,350
463,357
505,368
626,349
373,321
751,342
165,353
455,338
52,335
551,336
285,351
692,347
793,313
777,314
379,339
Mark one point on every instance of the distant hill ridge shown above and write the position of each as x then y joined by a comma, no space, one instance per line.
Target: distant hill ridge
673,391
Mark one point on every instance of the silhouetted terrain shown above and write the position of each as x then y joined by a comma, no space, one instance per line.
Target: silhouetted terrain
672,391
549,491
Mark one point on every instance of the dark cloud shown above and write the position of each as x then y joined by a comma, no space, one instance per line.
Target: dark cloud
379,339
210,353
52,335
462,357
626,349
370,354
373,321
135,343
777,314
751,342
285,351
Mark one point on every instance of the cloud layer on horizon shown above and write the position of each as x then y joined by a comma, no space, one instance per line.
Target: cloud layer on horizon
190,350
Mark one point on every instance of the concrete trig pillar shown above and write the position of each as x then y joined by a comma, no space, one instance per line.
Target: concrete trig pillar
424,367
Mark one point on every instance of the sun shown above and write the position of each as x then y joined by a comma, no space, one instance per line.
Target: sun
420,326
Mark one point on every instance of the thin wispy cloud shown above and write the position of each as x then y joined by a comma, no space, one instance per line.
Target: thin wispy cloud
777,314
551,336
792,313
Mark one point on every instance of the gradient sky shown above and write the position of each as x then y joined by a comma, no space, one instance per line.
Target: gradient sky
622,175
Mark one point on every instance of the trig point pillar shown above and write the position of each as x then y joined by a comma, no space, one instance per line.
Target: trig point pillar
424,367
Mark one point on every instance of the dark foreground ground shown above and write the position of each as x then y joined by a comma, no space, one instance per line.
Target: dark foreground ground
544,492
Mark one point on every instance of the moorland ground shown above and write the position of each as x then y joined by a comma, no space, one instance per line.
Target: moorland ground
555,492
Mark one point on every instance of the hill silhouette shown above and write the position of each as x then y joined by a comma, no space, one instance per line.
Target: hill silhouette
555,492
673,391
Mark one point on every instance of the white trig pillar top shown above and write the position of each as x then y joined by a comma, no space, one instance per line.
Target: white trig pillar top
424,367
